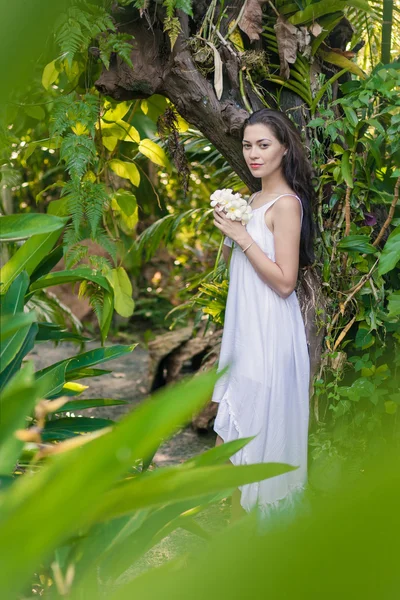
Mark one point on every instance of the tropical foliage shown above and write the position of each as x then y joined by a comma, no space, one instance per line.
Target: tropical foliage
79,168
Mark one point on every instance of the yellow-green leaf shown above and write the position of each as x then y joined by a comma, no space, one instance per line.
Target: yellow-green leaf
116,113
182,124
144,106
341,61
121,130
123,301
126,170
50,74
110,142
154,152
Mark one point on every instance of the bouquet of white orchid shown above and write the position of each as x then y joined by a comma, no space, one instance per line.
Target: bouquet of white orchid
234,205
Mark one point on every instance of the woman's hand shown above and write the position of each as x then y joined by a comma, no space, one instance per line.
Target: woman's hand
233,229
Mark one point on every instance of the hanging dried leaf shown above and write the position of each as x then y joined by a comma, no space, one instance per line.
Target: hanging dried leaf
303,39
218,75
315,29
251,21
286,35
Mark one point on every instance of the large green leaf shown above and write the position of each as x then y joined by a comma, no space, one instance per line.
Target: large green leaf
26,346
41,504
12,303
89,359
341,61
357,243
11,325
74,426
16,404
348,527
394,304
27,258
175,484
90,403
70,276
56,333
391,253
120,282
316,10
52,379
20,227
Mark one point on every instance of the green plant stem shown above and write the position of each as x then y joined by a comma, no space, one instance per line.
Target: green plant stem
218,254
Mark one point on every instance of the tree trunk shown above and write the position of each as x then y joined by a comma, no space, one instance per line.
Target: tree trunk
387,20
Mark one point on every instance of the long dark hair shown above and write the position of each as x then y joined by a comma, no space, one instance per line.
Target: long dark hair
297,171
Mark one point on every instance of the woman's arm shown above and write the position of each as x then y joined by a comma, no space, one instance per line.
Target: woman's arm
281,275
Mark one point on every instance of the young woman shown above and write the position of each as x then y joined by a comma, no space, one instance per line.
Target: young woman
265,392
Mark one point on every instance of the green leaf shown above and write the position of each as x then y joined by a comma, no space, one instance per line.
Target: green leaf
126,170
120,130
102,462
351,115
116,113
364,339
357,243
92,403
174,484
391,253
90,358
51,331
318,122
154,152
11,325
341,61
50,74
28,257
394,304
70,276
26,346
120,282
14,321
52,379
76,424
17,400
318,9
12,302
126,201
346,169
20,227
106,314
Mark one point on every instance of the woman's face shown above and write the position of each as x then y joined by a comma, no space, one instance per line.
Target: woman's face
262,151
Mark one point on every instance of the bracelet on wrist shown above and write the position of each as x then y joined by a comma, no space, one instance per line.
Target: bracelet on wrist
247,247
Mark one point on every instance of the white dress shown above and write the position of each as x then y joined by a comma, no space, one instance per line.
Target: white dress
266,390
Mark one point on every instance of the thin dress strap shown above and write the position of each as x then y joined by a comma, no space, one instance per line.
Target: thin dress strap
271,202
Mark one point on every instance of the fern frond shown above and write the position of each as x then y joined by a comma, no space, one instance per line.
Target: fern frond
68,111
116,43
78,152
95,197
162,230
172,5
100,263
72,192
104,240
173,28
75,254
79,25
